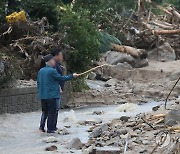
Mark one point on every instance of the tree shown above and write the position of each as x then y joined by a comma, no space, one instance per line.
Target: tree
80,34
2,10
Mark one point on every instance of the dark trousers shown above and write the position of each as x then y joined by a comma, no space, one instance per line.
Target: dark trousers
49,113
57,110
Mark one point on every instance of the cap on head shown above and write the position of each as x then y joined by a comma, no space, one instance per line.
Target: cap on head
48,57
56,52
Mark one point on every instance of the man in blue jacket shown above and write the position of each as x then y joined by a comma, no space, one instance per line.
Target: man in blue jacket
48,92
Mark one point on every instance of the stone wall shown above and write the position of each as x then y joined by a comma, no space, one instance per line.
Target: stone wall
16,100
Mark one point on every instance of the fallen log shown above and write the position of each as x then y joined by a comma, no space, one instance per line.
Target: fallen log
158,116
129,50
161,25
159,32
174,12
176,129
164,32
160,7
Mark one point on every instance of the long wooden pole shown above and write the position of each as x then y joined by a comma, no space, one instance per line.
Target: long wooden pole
92,69
171,92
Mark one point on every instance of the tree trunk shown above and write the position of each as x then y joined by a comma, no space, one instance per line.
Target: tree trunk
128,50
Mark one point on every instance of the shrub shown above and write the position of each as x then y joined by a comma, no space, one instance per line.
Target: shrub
2,11
80,34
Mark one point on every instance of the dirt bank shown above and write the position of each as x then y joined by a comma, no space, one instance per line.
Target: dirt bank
138,85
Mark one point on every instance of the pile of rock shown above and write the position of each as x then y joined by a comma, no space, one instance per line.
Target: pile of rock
139,134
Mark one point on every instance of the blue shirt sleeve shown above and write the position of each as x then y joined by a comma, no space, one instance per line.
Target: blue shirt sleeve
59,77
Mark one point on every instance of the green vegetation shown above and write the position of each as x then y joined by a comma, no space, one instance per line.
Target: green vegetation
80,25
2,11
81,35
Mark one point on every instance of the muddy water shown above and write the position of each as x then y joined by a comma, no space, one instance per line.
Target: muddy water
19,132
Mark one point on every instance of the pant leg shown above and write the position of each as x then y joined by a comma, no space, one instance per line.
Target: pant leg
57,110
44,114
51,115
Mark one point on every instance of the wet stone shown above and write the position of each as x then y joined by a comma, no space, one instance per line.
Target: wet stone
98,131
155,108
172,118
124,118
111,82
122,131
63,131
107,150
143,151
170,122
75,144
51,148
50,139
98,112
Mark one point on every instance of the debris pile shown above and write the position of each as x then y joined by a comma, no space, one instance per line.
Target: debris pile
147,37
26,43
145,133
151,31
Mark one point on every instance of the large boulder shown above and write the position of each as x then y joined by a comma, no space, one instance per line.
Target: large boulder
114,58
75,144
163,53
172,118
174,76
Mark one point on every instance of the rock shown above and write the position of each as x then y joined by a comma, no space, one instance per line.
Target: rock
143,151
124,118
164,53
111,82
128,107
138,131
98,131
107,150
50,139
123,66
177,101
98,112
122,131
102,78
51,148
174,76
75,144
132,124
67,126
63,131
70,116
114,58
133,134
88,150
155,108
99,144
171,122
91,76
91,121
145,142
172,118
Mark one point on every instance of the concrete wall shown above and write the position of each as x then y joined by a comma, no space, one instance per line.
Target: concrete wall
17,100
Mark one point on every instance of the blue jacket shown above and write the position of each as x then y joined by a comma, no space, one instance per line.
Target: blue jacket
48,81
60,69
